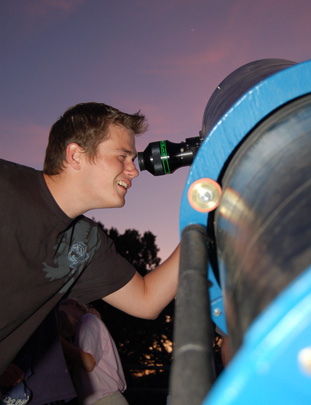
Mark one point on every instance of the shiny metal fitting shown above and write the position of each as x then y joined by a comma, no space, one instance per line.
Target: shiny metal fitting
204,195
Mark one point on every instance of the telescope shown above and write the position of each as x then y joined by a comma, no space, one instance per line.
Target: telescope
245,228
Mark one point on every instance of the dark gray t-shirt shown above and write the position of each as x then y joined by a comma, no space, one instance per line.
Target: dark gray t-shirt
45,255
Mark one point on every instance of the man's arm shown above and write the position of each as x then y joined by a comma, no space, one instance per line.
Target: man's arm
145,297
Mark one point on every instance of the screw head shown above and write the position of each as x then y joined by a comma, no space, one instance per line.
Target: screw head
217,311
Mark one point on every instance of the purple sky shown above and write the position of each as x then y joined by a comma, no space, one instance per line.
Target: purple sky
164,57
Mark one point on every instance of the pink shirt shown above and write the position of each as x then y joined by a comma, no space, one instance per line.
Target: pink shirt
107,377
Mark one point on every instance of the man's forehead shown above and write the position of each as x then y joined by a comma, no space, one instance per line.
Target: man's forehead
122,139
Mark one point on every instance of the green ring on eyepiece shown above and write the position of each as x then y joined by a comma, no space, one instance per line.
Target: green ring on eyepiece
164,157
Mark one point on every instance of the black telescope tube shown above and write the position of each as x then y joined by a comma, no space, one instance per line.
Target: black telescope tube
193,370
164,157
263,223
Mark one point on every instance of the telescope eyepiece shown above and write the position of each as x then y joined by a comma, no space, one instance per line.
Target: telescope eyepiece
164,157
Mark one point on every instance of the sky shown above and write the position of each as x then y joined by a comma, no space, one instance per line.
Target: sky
163,57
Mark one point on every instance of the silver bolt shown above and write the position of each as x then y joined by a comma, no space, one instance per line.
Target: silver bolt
205,195
217,311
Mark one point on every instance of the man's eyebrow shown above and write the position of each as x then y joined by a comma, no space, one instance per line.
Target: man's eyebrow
128,152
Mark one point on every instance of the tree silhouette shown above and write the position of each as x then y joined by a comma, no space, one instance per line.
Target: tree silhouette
140,251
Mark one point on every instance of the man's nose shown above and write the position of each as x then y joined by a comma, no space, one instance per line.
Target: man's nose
131,170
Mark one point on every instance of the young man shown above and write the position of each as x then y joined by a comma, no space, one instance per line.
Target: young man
49,249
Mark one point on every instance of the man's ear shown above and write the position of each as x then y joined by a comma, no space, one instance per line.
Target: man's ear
73,155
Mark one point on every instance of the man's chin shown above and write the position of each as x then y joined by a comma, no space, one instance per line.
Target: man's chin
120,204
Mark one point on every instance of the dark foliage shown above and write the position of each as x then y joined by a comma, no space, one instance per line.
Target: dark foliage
140,342
140,251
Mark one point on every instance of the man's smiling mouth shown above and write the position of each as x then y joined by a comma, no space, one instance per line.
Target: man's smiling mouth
123,184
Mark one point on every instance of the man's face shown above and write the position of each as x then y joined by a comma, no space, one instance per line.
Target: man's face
107,179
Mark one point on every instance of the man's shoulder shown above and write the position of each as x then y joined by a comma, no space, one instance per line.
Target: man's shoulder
92,228
82,219
13,165
12,168
18,180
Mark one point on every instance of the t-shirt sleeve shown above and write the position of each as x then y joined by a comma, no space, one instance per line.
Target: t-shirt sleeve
106,272
89,338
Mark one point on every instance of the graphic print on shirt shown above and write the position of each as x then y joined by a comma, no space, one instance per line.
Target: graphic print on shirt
73,251
77,256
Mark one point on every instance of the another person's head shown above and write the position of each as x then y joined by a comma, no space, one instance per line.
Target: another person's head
87,125
73,310
66,325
